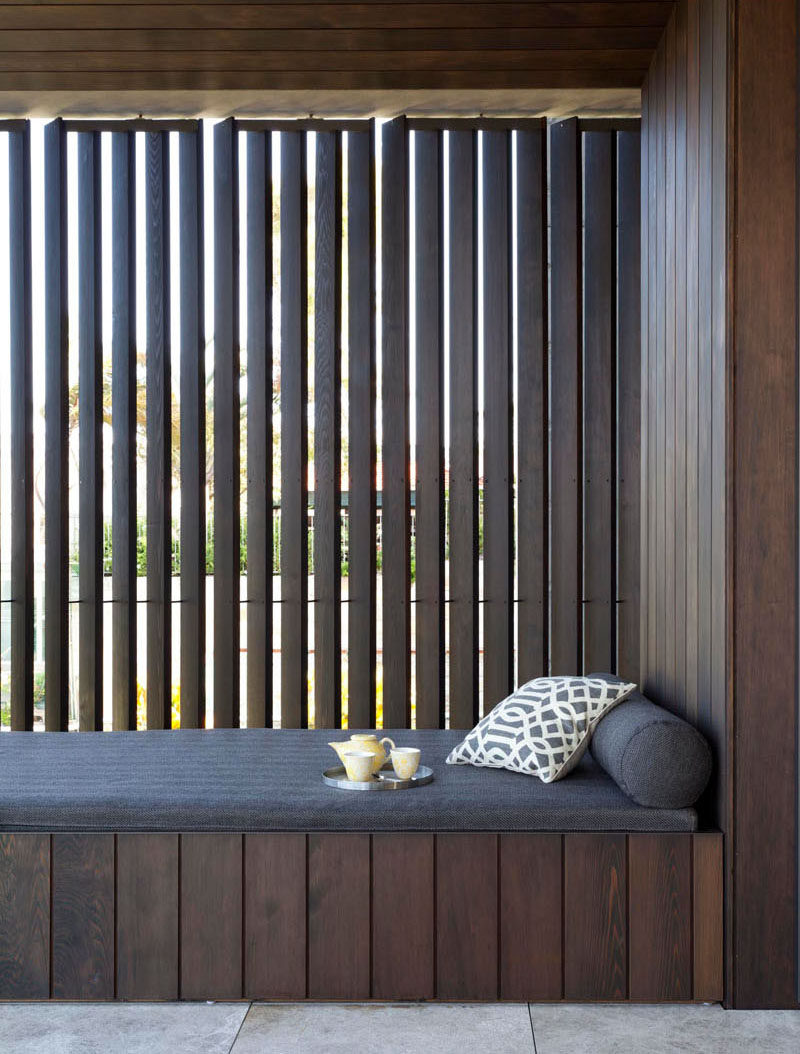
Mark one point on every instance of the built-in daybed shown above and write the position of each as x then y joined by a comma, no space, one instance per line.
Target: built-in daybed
217,865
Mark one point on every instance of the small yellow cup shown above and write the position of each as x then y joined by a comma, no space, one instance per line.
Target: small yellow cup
405,761
358,764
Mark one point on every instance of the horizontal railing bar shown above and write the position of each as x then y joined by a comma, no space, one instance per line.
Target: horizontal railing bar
13,124
609,124
466,124
136,124
303,124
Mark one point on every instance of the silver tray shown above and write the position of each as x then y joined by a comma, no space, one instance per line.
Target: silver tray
384,780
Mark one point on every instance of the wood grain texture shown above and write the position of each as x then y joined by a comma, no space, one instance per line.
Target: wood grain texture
708,905
83,916
211,916
338,919
595,938
466,916
463,498
147,916
24,916
531,916
123,424
294,440
275,916
395,517
403,916
429,339
660,917
361,583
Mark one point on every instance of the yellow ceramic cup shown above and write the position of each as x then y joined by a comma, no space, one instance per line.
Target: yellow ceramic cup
405,761
358,764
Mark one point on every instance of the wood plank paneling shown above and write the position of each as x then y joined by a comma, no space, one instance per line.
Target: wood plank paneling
498,609
599,644
259,429
463,497
294,440
56,494
158,367
361,584
429,533
147,916
90,437
403,916
211,916
227,483
338,916
466,916
21,379
395,523
123,423
629,418
532,381
275,916
708,909
24,916
565,388
192,430
531,925
83,916
327,433
660,917
595,934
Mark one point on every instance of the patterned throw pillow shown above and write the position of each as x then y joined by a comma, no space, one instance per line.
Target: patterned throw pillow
542,729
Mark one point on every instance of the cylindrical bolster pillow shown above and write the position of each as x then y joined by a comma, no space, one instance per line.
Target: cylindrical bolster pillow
655,757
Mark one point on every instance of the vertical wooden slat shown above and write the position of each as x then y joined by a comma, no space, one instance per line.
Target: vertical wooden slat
565,389
361,626
629,415
327,433
648,396
147,916
644,287
429,594
294,439
595,941
668,293
402,916
21,378
24,916
660,917
463,504
227,484
532,285
338,915
708,905
658,372
530,916
193,431
395,525
56,500
259,429
123,423
599,274
159,432
90,452
275,916
466,916
83,916
211,916
498,611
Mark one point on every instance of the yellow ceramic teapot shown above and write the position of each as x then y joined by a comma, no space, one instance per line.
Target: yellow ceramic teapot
367,742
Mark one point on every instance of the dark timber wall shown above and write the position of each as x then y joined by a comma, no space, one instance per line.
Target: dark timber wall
719,451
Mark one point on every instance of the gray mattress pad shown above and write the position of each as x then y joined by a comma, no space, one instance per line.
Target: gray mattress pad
271,780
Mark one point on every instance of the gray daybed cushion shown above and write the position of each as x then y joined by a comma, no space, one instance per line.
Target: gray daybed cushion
270,780
656,758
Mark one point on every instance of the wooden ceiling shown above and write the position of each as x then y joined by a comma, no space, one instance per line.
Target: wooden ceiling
113,45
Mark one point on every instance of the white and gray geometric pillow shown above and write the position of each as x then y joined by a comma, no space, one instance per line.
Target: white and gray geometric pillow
541,729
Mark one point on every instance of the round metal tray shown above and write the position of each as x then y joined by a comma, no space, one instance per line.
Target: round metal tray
384,780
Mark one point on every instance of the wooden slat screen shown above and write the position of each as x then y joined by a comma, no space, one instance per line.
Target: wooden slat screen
368,415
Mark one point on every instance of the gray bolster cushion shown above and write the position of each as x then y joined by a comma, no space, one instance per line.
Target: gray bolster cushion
655,757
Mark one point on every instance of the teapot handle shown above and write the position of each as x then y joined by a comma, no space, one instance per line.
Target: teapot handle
389,741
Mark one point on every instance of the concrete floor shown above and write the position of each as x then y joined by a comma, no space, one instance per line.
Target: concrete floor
236,1028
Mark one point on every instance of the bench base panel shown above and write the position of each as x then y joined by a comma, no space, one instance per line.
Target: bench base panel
357,916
